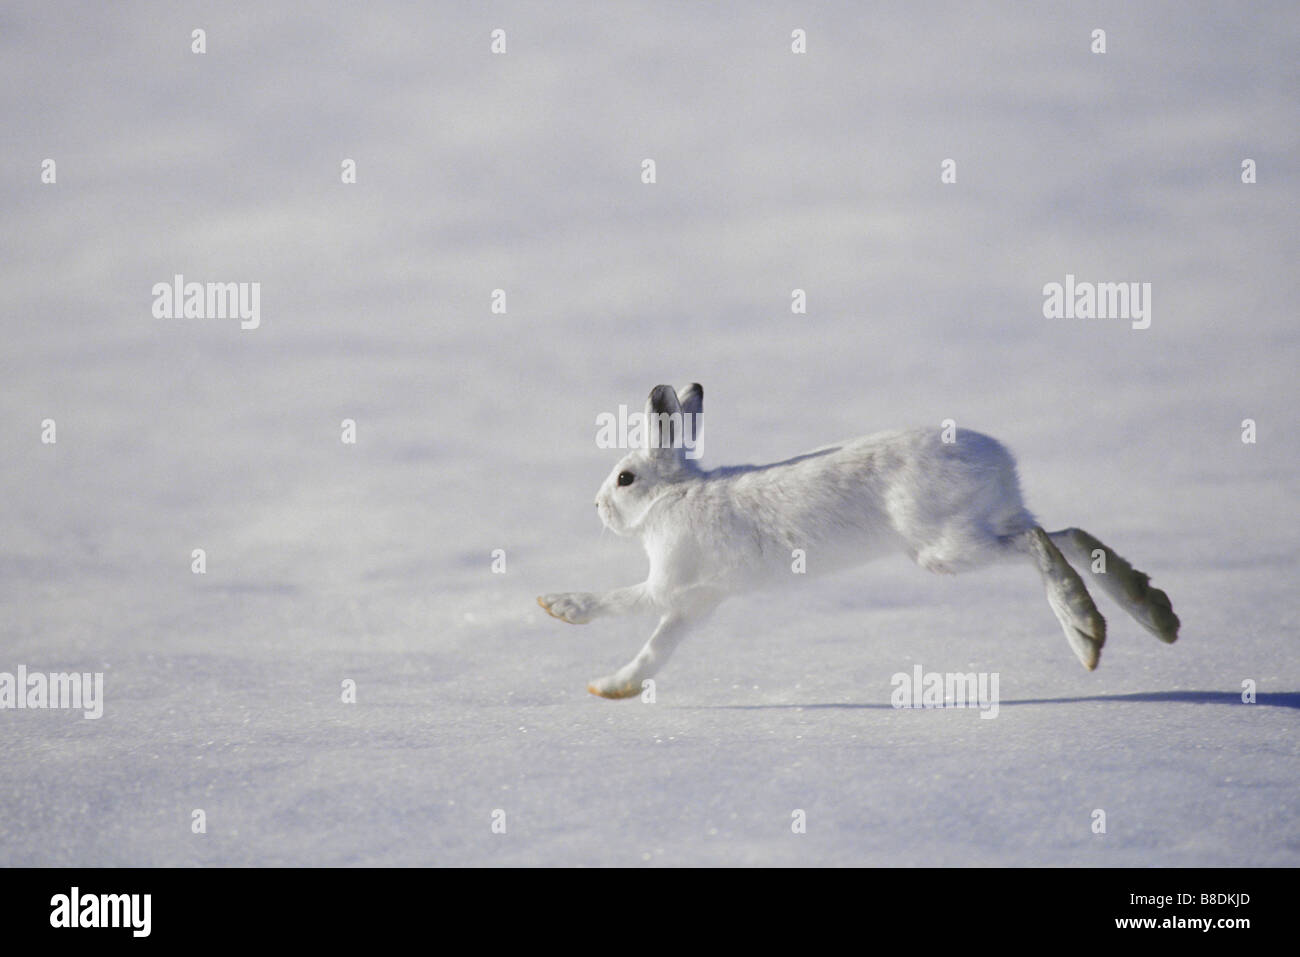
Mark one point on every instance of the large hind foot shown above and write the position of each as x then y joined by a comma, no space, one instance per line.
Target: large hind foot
1084,627
1126,586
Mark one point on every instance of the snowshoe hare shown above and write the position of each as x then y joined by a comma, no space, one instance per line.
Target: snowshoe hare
949,506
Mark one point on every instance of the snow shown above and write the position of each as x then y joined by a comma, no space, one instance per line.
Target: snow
476,431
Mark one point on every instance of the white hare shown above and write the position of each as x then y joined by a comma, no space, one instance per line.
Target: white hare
948,505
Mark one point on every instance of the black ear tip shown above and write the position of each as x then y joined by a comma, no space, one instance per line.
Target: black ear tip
662,391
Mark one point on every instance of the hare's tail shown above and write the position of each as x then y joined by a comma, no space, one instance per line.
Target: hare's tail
1129,588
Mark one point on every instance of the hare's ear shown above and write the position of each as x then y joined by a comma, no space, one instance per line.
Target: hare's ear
663,415
692,400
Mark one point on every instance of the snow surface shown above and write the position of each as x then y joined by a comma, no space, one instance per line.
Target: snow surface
476,431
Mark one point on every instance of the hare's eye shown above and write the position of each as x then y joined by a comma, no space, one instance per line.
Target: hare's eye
625,478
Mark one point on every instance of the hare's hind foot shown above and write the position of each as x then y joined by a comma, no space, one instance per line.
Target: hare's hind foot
1084,627
1127,587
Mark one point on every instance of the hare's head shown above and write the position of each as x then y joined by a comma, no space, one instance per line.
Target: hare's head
665,458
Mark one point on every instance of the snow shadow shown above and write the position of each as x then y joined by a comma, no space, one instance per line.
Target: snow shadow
1280,699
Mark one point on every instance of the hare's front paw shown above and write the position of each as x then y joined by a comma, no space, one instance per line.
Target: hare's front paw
613,686
573,607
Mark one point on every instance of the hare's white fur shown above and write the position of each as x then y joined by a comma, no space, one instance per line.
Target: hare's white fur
950,505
